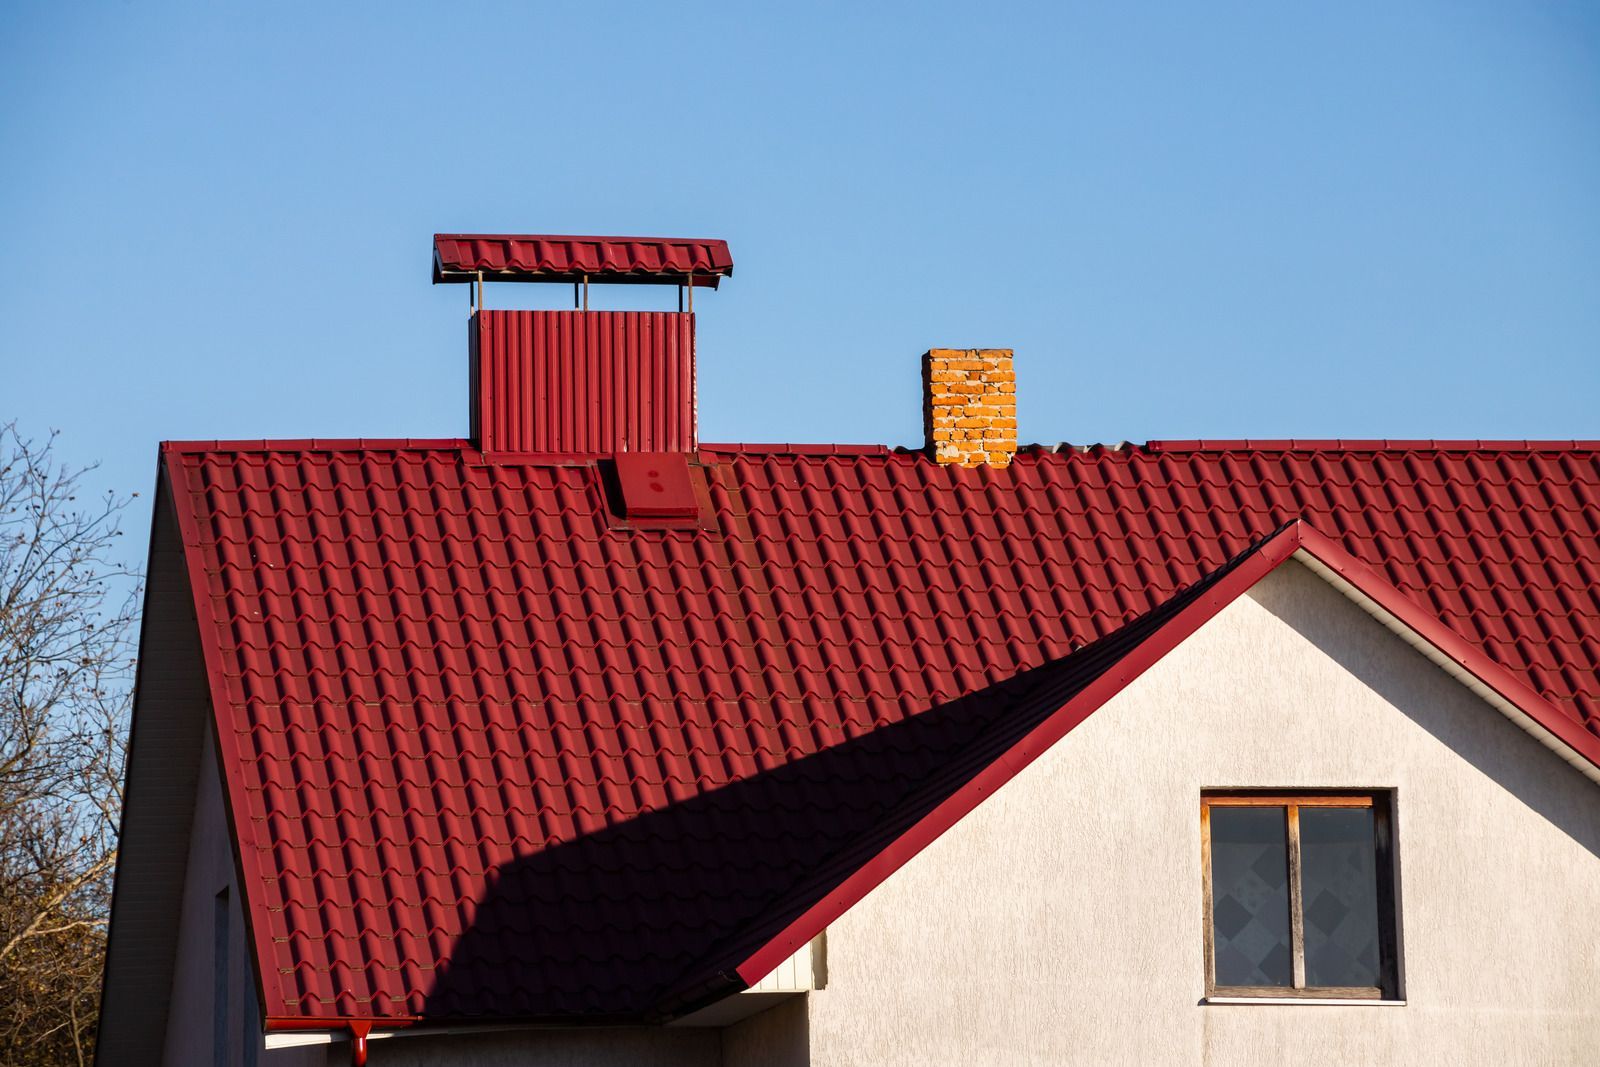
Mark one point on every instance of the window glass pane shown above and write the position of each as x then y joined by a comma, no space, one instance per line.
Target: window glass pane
1250,896
1339,885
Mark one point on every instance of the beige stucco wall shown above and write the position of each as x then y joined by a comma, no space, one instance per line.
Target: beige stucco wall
604,1047
775,1038
1061,921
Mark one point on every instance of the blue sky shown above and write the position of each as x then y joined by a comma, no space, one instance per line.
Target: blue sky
1211,220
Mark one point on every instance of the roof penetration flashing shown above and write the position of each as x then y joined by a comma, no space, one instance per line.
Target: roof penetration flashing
655,489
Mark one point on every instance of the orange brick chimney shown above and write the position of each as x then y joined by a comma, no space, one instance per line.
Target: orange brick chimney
969,405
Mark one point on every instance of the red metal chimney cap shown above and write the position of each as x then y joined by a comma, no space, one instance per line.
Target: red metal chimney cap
535,257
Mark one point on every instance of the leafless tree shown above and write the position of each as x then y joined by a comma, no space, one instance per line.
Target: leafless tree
67,612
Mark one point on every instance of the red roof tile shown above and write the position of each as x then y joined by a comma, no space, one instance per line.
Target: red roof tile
491,752
535,257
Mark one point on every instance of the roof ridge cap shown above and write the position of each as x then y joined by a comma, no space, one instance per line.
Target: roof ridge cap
322,444
1376,444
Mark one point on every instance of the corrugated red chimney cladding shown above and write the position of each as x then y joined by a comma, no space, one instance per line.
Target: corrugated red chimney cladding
593,382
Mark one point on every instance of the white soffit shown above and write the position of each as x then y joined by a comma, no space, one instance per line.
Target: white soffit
798,974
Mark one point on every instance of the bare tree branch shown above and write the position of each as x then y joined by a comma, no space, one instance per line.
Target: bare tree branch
67,614
51,906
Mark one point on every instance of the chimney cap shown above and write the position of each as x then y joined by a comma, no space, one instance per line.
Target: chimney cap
534,257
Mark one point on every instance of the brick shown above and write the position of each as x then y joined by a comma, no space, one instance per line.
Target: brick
970,406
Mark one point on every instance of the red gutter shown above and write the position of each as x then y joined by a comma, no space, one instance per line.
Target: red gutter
360,1030
796,449
181,499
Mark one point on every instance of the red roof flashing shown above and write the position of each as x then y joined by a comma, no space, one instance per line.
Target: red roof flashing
493,753
656,485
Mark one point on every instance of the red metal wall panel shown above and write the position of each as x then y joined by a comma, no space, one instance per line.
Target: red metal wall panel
583,381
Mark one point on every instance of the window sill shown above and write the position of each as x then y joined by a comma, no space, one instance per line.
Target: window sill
1341,1002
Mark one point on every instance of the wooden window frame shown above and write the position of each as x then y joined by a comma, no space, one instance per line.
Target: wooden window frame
1381,803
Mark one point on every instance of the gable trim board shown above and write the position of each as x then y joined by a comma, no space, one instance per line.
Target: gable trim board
233,800
1296,540
166,749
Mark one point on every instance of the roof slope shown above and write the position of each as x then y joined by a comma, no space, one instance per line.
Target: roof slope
491,754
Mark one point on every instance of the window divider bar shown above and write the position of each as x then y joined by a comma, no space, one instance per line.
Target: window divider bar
1274,800
1388,906
1205,896
1297,932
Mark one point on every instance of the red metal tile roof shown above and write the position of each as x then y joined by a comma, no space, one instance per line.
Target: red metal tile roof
492,753
533,257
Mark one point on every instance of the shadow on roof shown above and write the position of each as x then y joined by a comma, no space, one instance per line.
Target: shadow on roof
651,917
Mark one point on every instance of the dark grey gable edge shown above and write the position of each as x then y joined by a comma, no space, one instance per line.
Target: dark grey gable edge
170,708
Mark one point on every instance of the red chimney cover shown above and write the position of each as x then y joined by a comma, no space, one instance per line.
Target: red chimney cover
458,257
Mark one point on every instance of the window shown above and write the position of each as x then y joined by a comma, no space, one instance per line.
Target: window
1299,895
219,980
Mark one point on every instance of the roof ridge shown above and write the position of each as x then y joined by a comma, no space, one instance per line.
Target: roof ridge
322,444
1376,444
803,448
823,448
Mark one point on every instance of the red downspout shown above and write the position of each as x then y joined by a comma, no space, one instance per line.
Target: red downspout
358,1042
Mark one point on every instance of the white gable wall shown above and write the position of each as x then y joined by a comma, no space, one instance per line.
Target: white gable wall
1061,922
190,1015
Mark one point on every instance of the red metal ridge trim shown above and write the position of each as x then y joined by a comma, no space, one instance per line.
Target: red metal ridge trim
322,444
797,449
1341,444
1458,649
181,499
